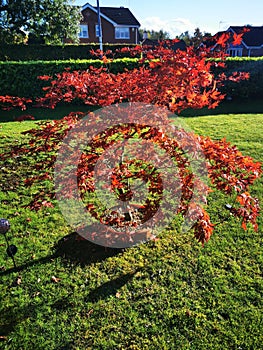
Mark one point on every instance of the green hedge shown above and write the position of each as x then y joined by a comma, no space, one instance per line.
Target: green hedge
247,88
56,52
20,78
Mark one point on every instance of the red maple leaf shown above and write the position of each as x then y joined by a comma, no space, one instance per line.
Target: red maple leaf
246,29
223,39
237,39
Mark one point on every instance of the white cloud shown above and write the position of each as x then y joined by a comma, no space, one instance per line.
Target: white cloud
174,27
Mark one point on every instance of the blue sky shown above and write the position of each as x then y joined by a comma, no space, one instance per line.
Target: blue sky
177,16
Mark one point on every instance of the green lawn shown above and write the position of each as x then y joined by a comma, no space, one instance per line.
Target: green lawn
168,294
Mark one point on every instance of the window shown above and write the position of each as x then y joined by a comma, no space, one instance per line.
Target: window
234,52
83,31
97,30
122,33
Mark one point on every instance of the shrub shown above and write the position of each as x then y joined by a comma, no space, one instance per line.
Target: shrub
56,52
253,87
21,78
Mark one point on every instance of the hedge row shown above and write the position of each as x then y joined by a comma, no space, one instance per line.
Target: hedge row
21,78
56,52
247,88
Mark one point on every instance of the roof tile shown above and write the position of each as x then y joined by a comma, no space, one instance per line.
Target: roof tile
253,37
120,15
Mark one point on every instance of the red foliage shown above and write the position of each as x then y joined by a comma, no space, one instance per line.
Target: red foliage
175,80
223,39
23,117
229,171
10,102
237,39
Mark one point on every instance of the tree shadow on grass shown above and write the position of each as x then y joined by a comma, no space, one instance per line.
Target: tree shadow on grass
16,314
84,252
71,248
109,288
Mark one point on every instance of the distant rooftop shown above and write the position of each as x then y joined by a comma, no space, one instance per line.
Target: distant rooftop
253,37
119,15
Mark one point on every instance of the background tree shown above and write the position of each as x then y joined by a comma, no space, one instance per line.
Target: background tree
199,37
155,35
186,37
194,40
49,21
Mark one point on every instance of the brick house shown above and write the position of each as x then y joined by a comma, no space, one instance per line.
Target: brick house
251,45
118,25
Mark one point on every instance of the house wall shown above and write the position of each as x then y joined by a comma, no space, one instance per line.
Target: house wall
247,52
108,30
252,52
244,52
256,52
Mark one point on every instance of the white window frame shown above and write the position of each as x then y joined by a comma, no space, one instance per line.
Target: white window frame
83,31
234,52
122,33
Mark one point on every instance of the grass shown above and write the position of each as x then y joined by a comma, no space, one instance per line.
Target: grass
168,294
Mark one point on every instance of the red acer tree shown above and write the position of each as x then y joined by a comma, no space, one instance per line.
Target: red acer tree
173,80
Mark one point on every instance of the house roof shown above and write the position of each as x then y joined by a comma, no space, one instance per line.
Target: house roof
253,37
120,15
116,15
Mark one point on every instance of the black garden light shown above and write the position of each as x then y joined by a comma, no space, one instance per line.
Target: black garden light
11,248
